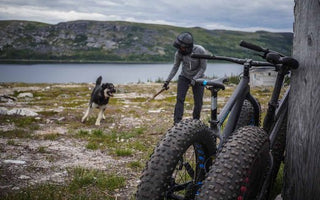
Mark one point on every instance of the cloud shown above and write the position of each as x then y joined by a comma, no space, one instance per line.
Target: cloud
48,15
236,15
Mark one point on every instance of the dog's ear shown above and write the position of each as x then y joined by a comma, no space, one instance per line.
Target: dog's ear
99,80
104,86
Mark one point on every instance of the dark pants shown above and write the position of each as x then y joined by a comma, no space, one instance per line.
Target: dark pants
183,86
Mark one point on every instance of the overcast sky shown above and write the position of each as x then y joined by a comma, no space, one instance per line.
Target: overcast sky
244,15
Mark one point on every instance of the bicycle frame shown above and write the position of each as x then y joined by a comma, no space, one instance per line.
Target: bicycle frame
232,109
233,106
275,116
276,113
274,120
280,114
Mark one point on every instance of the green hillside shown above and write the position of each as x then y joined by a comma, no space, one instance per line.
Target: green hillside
97,41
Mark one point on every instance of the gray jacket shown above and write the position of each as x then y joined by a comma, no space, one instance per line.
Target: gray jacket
192,68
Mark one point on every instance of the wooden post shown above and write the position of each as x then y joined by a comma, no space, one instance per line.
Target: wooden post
302,163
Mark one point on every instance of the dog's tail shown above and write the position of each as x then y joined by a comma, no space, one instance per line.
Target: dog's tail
99,80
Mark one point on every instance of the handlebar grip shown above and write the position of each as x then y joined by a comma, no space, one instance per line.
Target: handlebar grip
273,58
293,63
203,56
277,59
252,46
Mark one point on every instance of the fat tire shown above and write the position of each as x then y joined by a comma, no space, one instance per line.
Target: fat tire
229,177
156,177
248,115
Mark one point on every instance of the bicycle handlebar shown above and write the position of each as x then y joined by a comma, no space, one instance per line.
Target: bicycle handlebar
253,47
203,56
230,59
272,56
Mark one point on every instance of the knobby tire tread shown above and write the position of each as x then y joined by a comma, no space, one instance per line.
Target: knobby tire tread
248,115
230,168
159,169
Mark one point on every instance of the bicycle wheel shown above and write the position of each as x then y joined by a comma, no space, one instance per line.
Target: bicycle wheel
240,168
248,115
179,163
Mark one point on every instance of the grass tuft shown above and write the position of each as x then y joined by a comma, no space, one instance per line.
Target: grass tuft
92,145
123,152
85,177
136,165
85,184
17,133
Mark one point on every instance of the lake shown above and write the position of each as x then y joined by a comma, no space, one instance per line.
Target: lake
88,73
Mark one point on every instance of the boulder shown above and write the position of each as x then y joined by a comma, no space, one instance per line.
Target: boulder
3,111
22,112
25,95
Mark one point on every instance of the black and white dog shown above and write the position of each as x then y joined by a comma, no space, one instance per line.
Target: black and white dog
99,99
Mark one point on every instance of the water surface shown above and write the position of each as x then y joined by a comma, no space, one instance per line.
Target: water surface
115,73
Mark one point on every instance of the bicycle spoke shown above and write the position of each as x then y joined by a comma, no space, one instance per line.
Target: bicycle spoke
180,187
176,197
176,188
189,169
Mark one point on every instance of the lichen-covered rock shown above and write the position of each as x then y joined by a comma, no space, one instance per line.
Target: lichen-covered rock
22,112
3,111
25,95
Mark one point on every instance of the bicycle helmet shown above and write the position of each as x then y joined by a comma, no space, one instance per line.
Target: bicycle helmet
184,43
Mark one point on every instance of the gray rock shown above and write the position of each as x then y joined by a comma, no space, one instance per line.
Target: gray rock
3,111
25,94
17,162
24,177
6,98
64,95
22,112
279,197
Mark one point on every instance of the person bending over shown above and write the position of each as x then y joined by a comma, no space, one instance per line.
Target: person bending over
192,69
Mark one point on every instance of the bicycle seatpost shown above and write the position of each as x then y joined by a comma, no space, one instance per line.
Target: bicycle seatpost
214,86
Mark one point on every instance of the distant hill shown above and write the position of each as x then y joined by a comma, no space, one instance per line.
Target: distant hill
115,41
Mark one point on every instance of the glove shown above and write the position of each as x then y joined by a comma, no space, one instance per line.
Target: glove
166,85
193,82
